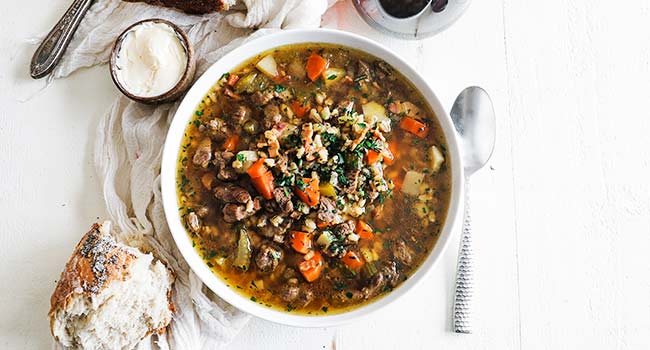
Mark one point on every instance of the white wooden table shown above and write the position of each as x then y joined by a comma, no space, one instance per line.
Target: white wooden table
561,214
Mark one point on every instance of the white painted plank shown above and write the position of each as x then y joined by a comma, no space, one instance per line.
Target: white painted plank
578,74
49,195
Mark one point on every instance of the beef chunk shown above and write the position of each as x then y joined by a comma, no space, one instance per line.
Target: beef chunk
267,258
261,98
403,253
382,70
271,116
353,180
223,161
389,271
203,153
289,293
230,193
344,229
237,113
282,196
363,68
326,210
203,211
235,212
304,297
376,283
218,130
387,275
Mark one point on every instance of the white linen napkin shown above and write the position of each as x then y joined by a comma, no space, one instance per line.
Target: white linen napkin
129,141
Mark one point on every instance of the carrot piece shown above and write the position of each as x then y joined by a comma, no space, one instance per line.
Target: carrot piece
414,126
264,184
312,268
208,179
257,169
316,64
311,193
300,241
372,157
232,79
322,224
262,178
300,109
352,260
390,153
364,230
231,143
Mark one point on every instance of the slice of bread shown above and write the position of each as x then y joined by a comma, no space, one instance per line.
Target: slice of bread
110,296
192,6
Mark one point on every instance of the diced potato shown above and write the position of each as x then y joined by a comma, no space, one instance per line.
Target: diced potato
412,182
268,66
332,75
374,109
246,158
325,239
435,159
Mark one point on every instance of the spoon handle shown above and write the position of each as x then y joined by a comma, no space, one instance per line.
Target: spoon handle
53,46
464,274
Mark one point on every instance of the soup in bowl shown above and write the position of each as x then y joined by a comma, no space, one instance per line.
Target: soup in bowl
310,181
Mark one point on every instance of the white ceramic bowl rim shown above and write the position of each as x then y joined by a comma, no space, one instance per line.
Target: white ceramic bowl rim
186,111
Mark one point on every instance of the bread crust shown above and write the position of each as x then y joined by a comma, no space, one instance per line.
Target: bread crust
191,6
97,261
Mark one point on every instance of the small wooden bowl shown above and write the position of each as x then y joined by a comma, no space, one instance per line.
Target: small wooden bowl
178,89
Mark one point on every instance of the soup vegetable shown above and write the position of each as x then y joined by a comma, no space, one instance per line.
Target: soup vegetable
313,178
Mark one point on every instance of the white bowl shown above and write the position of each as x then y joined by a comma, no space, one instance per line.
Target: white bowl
186,111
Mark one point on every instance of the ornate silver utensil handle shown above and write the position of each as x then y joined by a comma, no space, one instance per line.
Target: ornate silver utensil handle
53,46
465,274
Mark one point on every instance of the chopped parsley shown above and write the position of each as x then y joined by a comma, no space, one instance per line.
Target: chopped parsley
301,184
331,77
241,157
278,88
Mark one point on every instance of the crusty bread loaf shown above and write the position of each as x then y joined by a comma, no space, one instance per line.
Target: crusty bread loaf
110,296
192,6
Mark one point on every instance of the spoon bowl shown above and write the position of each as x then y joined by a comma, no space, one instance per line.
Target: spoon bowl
473,117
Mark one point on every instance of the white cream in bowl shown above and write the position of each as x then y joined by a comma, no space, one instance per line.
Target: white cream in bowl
151,59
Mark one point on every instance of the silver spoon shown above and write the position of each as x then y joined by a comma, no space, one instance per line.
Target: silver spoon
51,50
474,120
